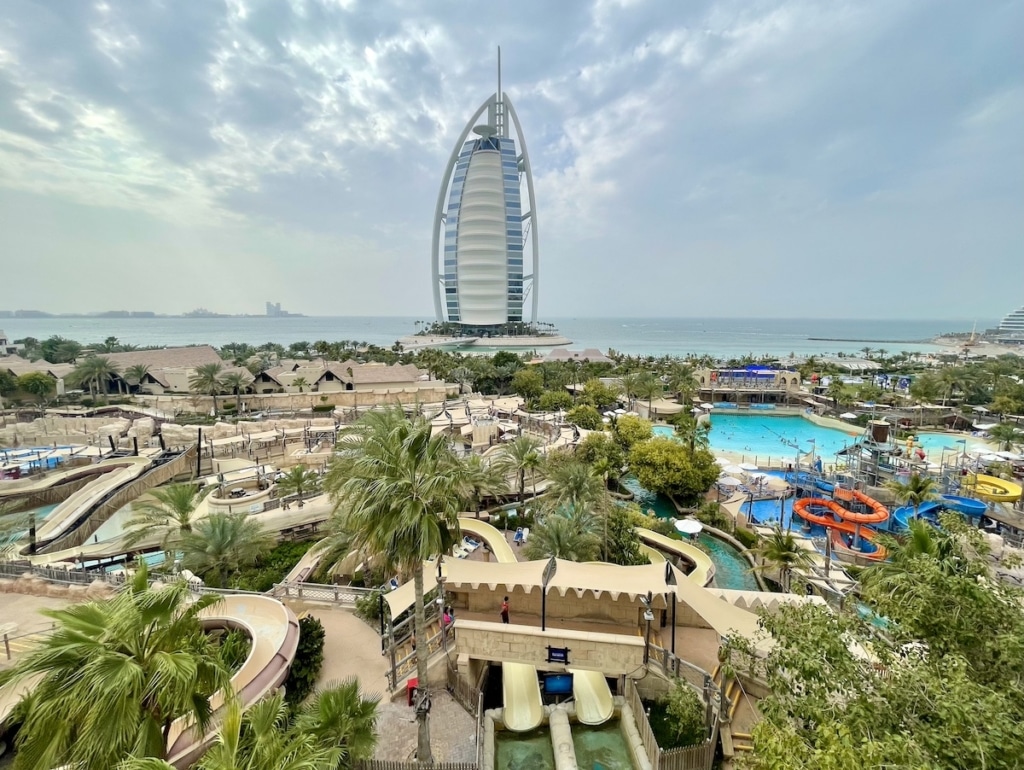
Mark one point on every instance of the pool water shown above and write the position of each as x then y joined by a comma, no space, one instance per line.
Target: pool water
524,751
647,500
768,436
601,747
732,570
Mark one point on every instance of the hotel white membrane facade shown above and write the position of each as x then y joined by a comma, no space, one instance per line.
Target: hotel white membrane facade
485,248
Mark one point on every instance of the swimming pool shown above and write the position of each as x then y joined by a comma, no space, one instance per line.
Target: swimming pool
764,436
732,570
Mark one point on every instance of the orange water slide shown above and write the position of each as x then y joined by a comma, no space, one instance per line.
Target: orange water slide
800,508
876,515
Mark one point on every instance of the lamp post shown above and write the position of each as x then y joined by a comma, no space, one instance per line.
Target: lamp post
670,580
546,576
440,604
648,618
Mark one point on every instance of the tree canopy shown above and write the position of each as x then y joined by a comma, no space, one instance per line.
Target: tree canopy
665,466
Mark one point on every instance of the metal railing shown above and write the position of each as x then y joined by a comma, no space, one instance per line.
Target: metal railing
343,595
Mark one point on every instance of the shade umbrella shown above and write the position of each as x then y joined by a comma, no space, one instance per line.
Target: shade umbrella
729,481
706,405
1009,455
723,461
847,416
734,469
748,466
689,526
620,410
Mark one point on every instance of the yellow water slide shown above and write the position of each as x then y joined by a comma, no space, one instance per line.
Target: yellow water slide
524,708
594,705
992,489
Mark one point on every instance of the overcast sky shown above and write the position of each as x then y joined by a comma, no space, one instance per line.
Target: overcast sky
832,159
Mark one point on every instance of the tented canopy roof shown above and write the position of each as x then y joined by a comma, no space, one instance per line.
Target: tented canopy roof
598,579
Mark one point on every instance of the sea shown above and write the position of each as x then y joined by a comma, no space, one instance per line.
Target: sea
720,337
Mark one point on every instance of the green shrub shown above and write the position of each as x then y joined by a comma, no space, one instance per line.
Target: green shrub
234,647
746,537
323,408
272,568
368,606
686,712
309,658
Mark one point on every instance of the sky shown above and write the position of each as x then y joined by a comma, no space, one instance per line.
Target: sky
749,158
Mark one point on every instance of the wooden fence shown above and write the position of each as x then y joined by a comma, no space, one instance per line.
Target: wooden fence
699,757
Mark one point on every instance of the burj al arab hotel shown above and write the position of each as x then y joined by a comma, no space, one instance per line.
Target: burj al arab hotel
485,276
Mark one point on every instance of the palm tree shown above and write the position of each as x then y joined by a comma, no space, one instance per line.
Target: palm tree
650,386
781,551
338,716
1007,435
483,480
917,490
564,536
133,374
94,372
298,481
692,432
170,515
300,383
400,490
519,456
629,383
115,674
235,383
575,486
205,380
222,543
682,382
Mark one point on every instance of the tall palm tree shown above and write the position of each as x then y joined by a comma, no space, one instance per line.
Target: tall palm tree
222,543
300,383
781,551
483,479
917,490
133,374
564,536
298,481
236,383
576,486
400,492
115,674
692,432
630,382
1007,435
95,372
205,380
682,382
170,514
519,457
650,387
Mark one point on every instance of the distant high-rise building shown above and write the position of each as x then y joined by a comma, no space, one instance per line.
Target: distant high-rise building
487,224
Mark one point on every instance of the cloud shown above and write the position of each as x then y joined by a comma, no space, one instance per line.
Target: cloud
260,140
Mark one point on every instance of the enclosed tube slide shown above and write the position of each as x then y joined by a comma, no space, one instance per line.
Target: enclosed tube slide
801,508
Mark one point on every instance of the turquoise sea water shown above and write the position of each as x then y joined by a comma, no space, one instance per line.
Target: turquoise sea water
725,337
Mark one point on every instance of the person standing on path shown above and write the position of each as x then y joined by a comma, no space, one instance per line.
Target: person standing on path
504,610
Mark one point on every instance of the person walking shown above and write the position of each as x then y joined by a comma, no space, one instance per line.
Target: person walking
504,610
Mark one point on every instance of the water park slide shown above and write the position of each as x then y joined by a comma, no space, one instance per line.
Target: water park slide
704,569
523,709
274,631
800,508
993,489
965,505
65,516
593,697
492,536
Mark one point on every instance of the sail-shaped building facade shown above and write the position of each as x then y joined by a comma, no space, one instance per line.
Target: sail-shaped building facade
484,255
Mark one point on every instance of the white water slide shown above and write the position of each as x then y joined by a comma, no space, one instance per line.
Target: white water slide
524,709
593,697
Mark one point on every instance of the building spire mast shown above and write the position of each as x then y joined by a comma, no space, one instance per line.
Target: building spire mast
500,112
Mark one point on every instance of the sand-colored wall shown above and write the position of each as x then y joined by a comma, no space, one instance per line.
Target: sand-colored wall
608,653
428,393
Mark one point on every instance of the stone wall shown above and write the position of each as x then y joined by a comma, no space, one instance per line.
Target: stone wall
612,654
52,429
427,393
33,585
621,611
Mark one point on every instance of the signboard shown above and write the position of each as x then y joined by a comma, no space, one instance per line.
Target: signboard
558,655
256,508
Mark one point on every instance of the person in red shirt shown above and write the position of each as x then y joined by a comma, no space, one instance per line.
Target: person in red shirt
504,610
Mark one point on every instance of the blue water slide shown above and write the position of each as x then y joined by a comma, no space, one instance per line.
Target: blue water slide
968,506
